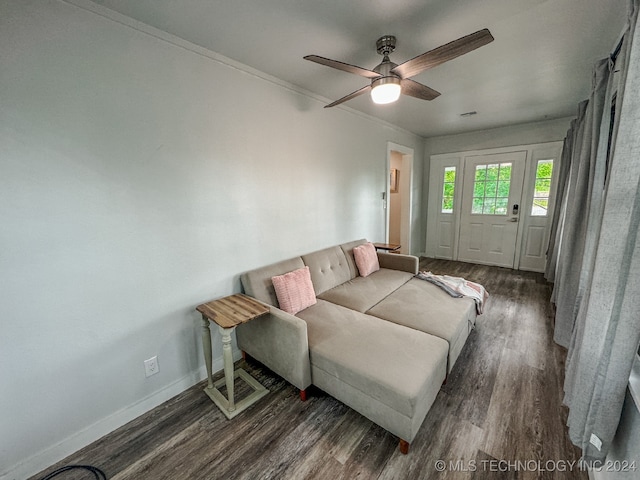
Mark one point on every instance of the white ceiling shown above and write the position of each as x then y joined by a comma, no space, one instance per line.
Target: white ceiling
538,67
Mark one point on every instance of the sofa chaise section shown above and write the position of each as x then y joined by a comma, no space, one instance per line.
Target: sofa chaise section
421,305
389,373
394,294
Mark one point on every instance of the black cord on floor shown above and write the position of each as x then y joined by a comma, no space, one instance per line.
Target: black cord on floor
99,474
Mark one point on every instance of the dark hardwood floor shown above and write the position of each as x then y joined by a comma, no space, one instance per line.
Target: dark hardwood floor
499,415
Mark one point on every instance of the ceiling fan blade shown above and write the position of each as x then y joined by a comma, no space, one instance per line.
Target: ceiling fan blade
345,67
355,94
418,90
444,53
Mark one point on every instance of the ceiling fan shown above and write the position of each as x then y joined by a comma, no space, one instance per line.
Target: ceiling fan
389,80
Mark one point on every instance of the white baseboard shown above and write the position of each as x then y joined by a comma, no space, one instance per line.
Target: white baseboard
51,455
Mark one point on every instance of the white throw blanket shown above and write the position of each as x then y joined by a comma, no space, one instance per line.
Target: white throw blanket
458,287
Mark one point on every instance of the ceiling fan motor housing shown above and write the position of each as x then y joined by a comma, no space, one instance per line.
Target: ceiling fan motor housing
384,69
386,88
386,44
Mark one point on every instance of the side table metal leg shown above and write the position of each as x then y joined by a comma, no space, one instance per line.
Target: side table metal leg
206,347
228,365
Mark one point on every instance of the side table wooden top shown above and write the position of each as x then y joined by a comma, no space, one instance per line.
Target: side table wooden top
391,247
231,311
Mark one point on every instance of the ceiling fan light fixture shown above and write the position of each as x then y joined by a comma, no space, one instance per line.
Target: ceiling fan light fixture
385,90
389,80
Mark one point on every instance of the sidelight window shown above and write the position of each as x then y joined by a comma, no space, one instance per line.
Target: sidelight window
448,189
542,189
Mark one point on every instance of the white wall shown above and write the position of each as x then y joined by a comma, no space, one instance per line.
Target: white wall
522,134
139,176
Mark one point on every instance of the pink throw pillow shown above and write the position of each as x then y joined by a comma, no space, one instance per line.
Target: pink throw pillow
366,259
294,290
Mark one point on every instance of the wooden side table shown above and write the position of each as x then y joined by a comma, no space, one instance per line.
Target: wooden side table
387,247
228,313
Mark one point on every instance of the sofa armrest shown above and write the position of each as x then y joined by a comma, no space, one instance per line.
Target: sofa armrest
398,261
279,341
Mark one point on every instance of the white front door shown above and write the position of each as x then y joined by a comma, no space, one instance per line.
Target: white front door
490,209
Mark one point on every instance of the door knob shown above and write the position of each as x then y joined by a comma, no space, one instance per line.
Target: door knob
513,219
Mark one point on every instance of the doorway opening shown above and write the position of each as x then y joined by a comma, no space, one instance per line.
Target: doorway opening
400,196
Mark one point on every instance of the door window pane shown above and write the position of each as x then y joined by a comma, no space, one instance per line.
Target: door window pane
491,187
542,188
489,207
492,172
501,206
503,189
505,172
448,190
477,205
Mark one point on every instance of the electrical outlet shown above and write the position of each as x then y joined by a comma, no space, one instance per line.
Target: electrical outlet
151,366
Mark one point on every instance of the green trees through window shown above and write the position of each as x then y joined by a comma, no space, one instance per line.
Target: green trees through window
448,190
491,189
540,206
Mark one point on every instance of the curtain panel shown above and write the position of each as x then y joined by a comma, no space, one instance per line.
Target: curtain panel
584,192
597,253
555,234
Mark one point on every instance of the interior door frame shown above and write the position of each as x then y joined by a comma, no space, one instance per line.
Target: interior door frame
439,161
406,189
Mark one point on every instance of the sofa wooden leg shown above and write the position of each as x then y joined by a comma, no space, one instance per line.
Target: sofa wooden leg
303,395
404,447
244,355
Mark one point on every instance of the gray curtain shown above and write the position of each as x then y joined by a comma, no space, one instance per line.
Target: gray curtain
555,235
560,212
606,331
583,199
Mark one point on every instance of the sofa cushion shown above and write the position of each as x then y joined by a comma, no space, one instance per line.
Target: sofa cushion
366,259
362,293
328,268
399,261
394,365
423,306
257,283
294,290
347,248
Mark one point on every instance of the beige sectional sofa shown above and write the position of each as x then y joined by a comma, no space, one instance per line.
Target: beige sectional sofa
381,344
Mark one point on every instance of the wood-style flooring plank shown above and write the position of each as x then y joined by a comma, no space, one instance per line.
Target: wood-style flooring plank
371,455
480,359
502,403
442,438
330,452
